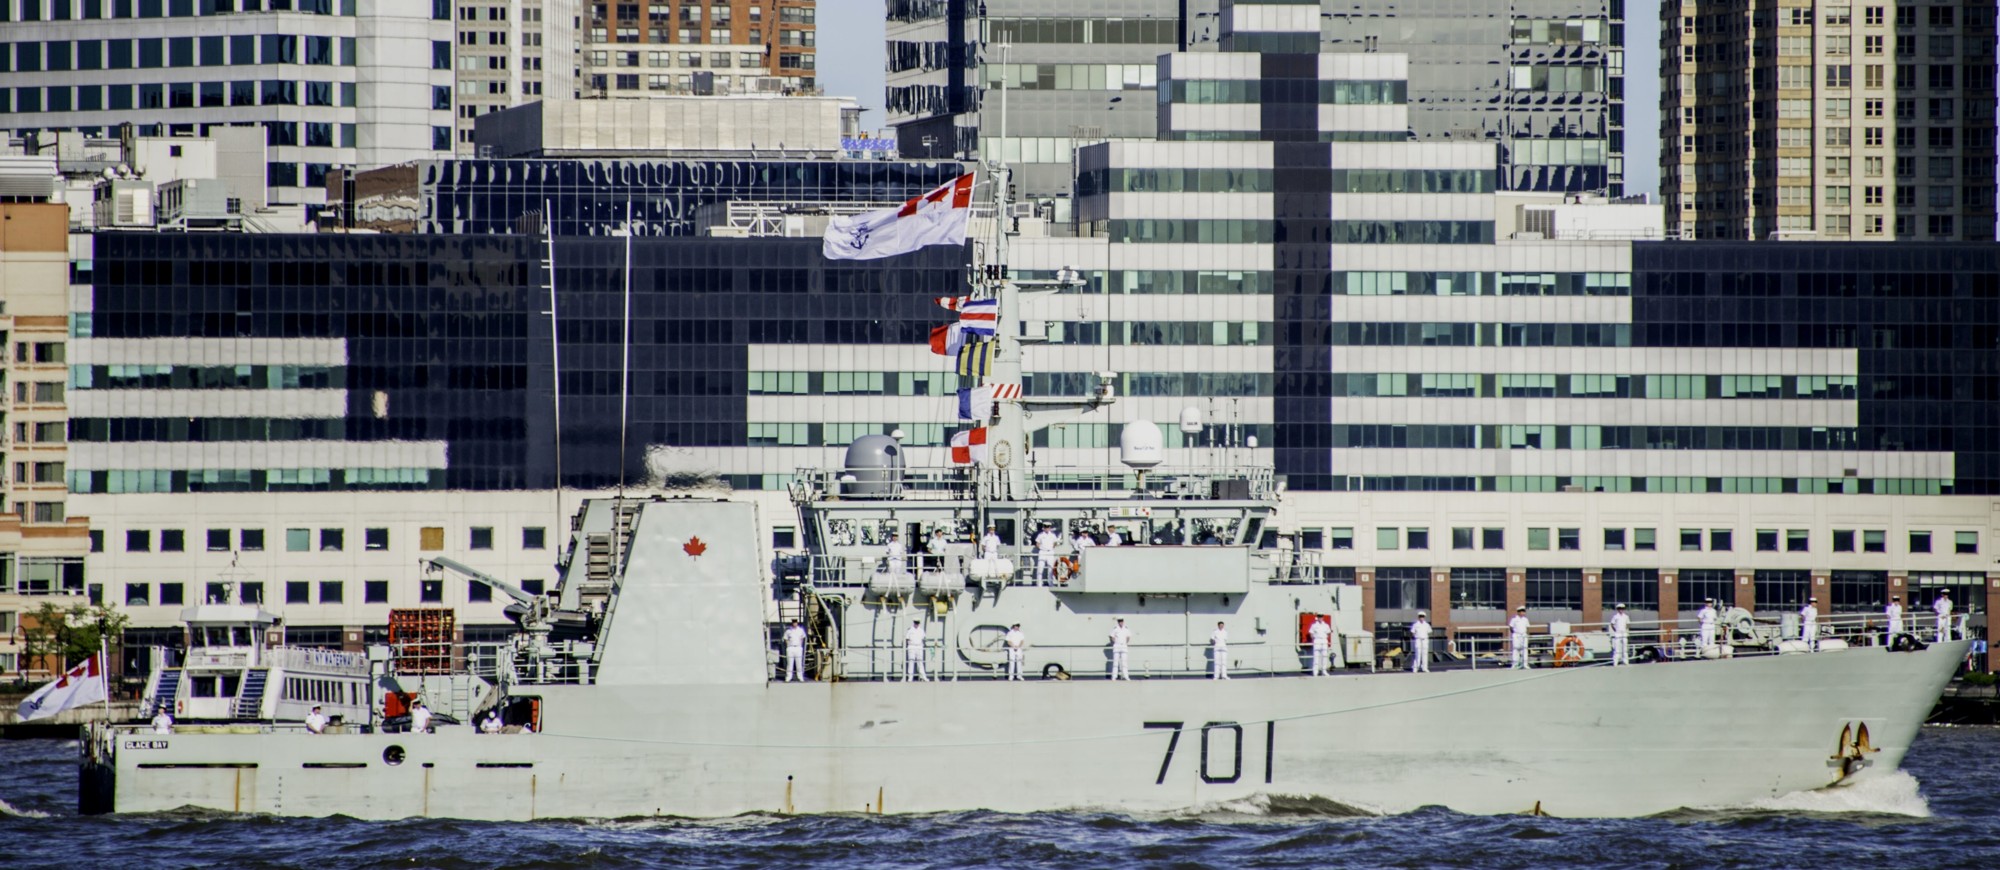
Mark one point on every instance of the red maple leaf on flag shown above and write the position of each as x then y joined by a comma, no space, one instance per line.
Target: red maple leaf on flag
694,547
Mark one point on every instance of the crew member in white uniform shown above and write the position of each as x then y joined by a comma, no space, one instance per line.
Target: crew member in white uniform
420,718
898,563
163,721
1943,609
491,724
1045,554
1121,643
1420,644
1218,642
1112,538
1321,634
1707,617
1017,647
1621,637
316,721
989,545
1083,541
795,652
1517,638
1809,624
913,653
1895,614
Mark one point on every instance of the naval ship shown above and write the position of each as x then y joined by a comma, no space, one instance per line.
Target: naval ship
650,681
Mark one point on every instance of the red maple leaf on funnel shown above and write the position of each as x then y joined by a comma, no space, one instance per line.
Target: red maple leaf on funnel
694,547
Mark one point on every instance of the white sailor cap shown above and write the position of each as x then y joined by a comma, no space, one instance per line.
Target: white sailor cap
1621,607
1812,600
1522,609
1423,613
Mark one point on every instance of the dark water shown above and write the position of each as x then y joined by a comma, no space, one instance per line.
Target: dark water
1947,815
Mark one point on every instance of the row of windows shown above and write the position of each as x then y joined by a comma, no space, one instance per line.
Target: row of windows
1071,76
176,51
1640,588
184,377
1262,232
318,691
1481,334
205,429
1595,386
1147,282
115,481
1077,435
806,383
1482,283
1645,539
1259,136
173,594
1545,437
66,10
1085,31
1210,333
1345,92
1583,483
301,540
188,95
1099,181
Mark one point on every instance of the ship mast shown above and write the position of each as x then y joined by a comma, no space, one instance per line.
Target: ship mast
1014,421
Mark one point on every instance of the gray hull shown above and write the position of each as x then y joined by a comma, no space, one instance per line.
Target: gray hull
1593,741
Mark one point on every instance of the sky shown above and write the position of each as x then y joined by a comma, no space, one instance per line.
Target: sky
850,65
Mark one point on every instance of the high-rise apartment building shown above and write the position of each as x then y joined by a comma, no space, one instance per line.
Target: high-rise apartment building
698,47
332,82
1827,119
509,52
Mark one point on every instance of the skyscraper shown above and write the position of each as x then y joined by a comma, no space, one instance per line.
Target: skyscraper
509,52
1827,120
698,47
332,82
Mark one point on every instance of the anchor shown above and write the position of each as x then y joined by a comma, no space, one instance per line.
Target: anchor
1852,751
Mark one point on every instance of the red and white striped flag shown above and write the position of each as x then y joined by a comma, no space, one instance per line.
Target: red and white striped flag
80,685
979,403
951,303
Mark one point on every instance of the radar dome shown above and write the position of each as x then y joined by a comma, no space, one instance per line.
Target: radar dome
1191,420
875,465
1140,445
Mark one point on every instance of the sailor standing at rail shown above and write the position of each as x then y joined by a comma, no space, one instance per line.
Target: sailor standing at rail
1707,617
913,653
1943,609
795,652
989,545
1809,624
1894,612
1321,634
316,721
1420,644
1517,638
1121,643
1017,646
1045,554
1621,637
1218,642
1083,541
420,718
898,563
163,721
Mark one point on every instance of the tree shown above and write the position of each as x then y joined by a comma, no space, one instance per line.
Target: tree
68,635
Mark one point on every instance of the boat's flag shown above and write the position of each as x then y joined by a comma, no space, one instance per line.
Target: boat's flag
951,303
947,339
975,359
936,218
969,446
979,316
80,685
977,403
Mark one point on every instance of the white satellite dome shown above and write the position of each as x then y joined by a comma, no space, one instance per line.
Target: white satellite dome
1191,420
1140,445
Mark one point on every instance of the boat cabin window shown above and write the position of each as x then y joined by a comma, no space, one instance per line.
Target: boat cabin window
225,635
214,685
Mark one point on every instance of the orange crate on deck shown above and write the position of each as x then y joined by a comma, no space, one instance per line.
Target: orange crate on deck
421,639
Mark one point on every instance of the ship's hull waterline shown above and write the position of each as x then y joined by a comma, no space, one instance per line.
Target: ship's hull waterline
1595,741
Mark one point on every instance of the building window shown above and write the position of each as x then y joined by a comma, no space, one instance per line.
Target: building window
1493,539
432,591
138,541
298,540
172,540
332,540
1478,588
1614,539
1569,539
1388,538
138,594
1402,588
1690,539
1920,542
251,540
1875,541
482,538
1555,589
375,592
250,593
1538,538
218,540
375,539
1858,591
532,587
1461,539
1636,588
331,591
171,595
477,591
298,592
1704,583
1420,539
1642,539
536,538
1340,539
1721,540
1965,542
1843,540
431,538
1797,541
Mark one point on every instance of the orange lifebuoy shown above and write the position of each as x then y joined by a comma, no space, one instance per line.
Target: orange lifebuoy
1066,568
1569,651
